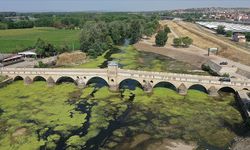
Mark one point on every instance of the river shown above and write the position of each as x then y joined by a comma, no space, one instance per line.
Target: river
64,117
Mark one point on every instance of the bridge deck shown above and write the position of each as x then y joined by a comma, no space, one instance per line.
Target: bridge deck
126,73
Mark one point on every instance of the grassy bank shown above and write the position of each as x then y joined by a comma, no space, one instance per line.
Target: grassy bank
129,58
2,78
64,116
15,40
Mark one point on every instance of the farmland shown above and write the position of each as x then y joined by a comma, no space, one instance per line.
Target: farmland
16,40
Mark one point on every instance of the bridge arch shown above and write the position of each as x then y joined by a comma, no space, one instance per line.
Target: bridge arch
227,89
130,83
16,78
198,87
166,84
98,81
39,78
65,79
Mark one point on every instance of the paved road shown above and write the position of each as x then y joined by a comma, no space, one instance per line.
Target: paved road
31,63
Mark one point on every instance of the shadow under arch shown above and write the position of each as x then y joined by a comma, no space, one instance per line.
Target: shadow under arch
39,78
130,84
97,82
65,79
165,84
245,89
226,89
198,87
17,78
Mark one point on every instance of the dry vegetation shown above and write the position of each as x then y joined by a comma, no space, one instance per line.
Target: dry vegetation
205,40
71,58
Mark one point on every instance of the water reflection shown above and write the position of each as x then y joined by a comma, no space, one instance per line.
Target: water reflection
130,84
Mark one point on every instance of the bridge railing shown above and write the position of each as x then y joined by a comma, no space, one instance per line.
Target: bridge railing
50,71
126,73
184,77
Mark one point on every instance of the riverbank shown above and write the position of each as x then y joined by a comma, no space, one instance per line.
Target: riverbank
129,58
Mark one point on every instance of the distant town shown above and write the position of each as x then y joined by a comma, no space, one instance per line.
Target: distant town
241,15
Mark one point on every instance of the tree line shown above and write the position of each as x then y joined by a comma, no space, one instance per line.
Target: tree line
99,32
62,20
99,36
221,30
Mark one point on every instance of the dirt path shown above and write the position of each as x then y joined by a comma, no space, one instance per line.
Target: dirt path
204,40
173,53
193,55
209,35
32,63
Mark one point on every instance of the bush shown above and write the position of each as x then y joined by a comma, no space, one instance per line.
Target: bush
177,42
226,75
187,41
182,41
221,29
41,65
229,34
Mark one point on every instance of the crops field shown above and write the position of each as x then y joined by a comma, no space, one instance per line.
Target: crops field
15,40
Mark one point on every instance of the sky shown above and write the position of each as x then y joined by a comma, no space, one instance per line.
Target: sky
113,5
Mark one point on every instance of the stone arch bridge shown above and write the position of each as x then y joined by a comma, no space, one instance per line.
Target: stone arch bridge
114,76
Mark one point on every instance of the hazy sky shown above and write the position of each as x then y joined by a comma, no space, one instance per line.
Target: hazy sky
113,5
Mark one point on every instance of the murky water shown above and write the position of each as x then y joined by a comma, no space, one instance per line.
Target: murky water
129,119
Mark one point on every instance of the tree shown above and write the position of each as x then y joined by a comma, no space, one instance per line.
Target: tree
136,30
177,42
85,43
229,34
44,48
187,41
221,29
40,44
247,36
161,38
109,41
3,26
149,31
117,31
167,29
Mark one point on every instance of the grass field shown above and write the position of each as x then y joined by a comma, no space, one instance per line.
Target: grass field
15,40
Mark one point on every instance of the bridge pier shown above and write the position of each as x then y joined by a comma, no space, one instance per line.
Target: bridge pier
182,89
27,80
50,82
147,87
212,91
80,83
113,88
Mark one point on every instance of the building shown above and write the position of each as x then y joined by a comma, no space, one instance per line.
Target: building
238,37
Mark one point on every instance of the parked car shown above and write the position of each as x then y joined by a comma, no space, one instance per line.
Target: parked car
223,63
225,79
